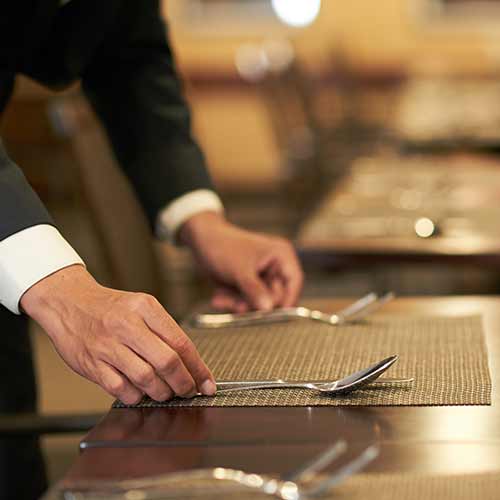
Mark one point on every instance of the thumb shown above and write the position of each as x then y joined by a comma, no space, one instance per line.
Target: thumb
255,291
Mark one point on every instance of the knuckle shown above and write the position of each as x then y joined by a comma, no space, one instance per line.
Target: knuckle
171,364
142,301
145,376
183,345
117,387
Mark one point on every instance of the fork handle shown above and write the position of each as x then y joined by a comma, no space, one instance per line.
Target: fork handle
242,319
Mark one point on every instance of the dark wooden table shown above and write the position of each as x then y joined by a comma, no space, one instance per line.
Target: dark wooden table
136,442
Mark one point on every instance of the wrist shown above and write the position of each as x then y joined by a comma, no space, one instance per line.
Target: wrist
53,290
199,227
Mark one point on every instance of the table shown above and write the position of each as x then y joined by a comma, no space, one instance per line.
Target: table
448,113
131,443
372,213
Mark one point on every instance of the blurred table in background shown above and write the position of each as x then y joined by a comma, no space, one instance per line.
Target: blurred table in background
448,113
439,210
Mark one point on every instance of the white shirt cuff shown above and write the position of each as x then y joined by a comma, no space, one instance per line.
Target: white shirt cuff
171,218
29,256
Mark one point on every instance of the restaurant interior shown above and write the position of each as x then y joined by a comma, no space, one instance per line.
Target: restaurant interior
367,134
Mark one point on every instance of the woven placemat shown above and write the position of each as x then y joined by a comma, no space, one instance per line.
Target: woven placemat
394,486
446,355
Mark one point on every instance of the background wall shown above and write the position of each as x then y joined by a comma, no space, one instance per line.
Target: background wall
373,38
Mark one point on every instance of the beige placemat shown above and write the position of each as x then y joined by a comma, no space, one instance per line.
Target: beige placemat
446,355
485,486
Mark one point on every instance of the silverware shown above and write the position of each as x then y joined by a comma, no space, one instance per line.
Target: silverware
303,486
229,384
355,311
344,385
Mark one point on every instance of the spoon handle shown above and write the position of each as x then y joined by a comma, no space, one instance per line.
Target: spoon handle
260,384
287,384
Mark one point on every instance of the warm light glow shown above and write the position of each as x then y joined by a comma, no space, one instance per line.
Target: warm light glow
251,62
297,13
424,227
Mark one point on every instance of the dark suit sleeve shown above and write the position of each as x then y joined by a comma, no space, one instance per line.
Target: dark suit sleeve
20,207
133,86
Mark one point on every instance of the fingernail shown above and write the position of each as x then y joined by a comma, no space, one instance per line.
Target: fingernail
265,303
208,388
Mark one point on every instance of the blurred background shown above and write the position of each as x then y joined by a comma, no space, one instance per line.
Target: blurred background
367,132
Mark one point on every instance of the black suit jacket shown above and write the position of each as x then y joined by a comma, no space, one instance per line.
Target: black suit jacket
119,51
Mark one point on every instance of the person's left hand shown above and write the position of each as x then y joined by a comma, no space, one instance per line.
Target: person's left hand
251,270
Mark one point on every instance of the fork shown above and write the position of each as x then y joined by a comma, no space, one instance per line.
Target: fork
296,486
355,311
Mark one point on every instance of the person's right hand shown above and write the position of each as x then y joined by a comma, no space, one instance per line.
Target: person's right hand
125,342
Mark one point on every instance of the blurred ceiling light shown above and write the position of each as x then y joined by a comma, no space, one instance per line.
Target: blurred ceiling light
298,13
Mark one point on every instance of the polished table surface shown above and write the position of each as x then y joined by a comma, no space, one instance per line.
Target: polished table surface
455,439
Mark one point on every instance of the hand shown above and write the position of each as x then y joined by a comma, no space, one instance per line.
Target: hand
125,342
252,271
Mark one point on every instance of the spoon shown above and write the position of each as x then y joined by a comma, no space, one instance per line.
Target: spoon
344,385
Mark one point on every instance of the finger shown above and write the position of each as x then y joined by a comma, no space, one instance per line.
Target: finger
167,329
225,299
277,288
294,281
165,362
116,384
273,269
241,306
255,291
222,303
141,374
287,266
274,280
